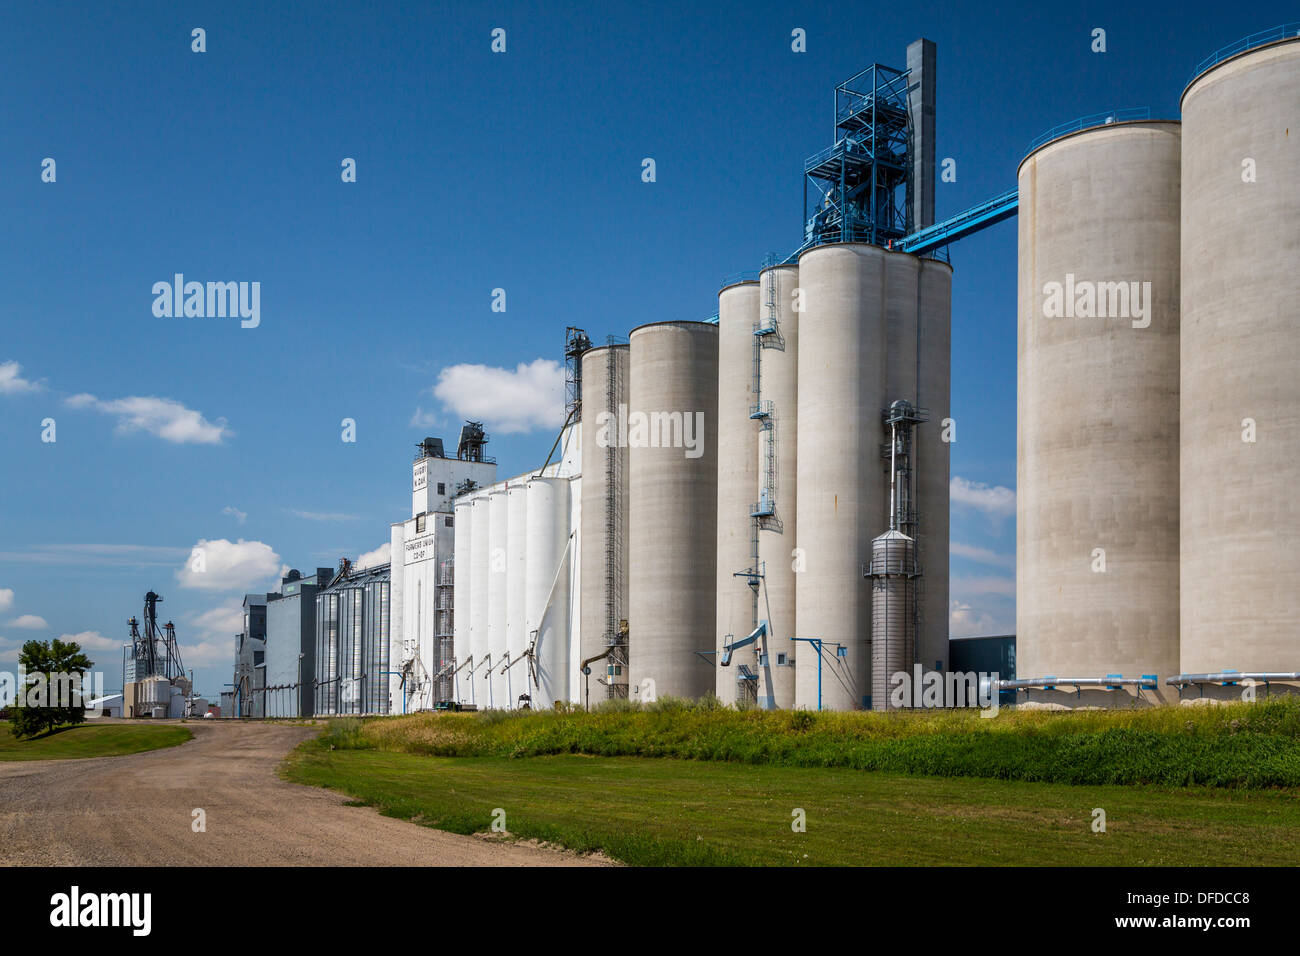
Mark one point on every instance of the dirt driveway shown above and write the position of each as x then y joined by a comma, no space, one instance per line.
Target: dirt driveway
137,810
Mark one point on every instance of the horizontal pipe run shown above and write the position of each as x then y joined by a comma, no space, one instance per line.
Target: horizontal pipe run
1231,677
1050,683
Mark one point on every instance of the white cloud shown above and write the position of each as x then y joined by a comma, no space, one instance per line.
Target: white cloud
6,598
422,419
371,558
222,565
163,418
995,501
12,383
93,641
323,515
30,622
982,555
240,516
966,621
209,638
532,396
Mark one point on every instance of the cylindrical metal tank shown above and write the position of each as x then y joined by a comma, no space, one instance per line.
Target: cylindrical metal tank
737,481
673,498
516,678
497,593
1240,371
842,498
776,452
1097,404
893,624
549,561
462,601
603,518
480,546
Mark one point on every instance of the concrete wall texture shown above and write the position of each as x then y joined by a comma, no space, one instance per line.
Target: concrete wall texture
1241,360
1097,405
858,350
672,521
604,374
737,476
780,385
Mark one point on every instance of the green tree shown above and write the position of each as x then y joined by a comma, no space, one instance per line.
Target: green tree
50,668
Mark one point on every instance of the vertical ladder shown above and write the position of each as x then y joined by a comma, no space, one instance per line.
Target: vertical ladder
616,662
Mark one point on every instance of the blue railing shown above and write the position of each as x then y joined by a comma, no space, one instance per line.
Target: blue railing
1089,121
1246,43
747,276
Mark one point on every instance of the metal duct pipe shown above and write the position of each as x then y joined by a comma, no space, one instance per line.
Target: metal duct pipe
1231,677
1044,683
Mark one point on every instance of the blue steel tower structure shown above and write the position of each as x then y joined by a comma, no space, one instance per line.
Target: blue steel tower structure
861,186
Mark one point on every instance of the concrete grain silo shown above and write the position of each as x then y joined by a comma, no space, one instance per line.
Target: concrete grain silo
777,467
462,601
1097,404
672,492
516,678
737,435
1240,371
549,557
497,593
480,547
841,503
604,517
874,330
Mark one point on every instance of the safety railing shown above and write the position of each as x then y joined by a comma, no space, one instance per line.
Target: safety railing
1283,32
1135,114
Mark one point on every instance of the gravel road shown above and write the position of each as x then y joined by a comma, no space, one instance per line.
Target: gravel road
137,810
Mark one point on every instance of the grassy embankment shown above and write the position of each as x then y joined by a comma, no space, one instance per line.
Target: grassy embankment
1179,786
90,740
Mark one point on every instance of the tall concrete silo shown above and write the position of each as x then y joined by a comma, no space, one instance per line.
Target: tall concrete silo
603,519
737,436
672,522
874,330
480,548
918,370
1097,404
497,593
516,678
777,467
549,557
841,502
463,569
1240,372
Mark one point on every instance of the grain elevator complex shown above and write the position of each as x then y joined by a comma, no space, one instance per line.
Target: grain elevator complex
756,505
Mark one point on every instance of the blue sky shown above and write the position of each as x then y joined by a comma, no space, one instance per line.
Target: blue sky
475,171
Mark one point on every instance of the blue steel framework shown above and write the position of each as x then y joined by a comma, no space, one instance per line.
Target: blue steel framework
862,182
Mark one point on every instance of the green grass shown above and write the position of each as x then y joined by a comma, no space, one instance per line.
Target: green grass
1243,745
671,811
90,740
